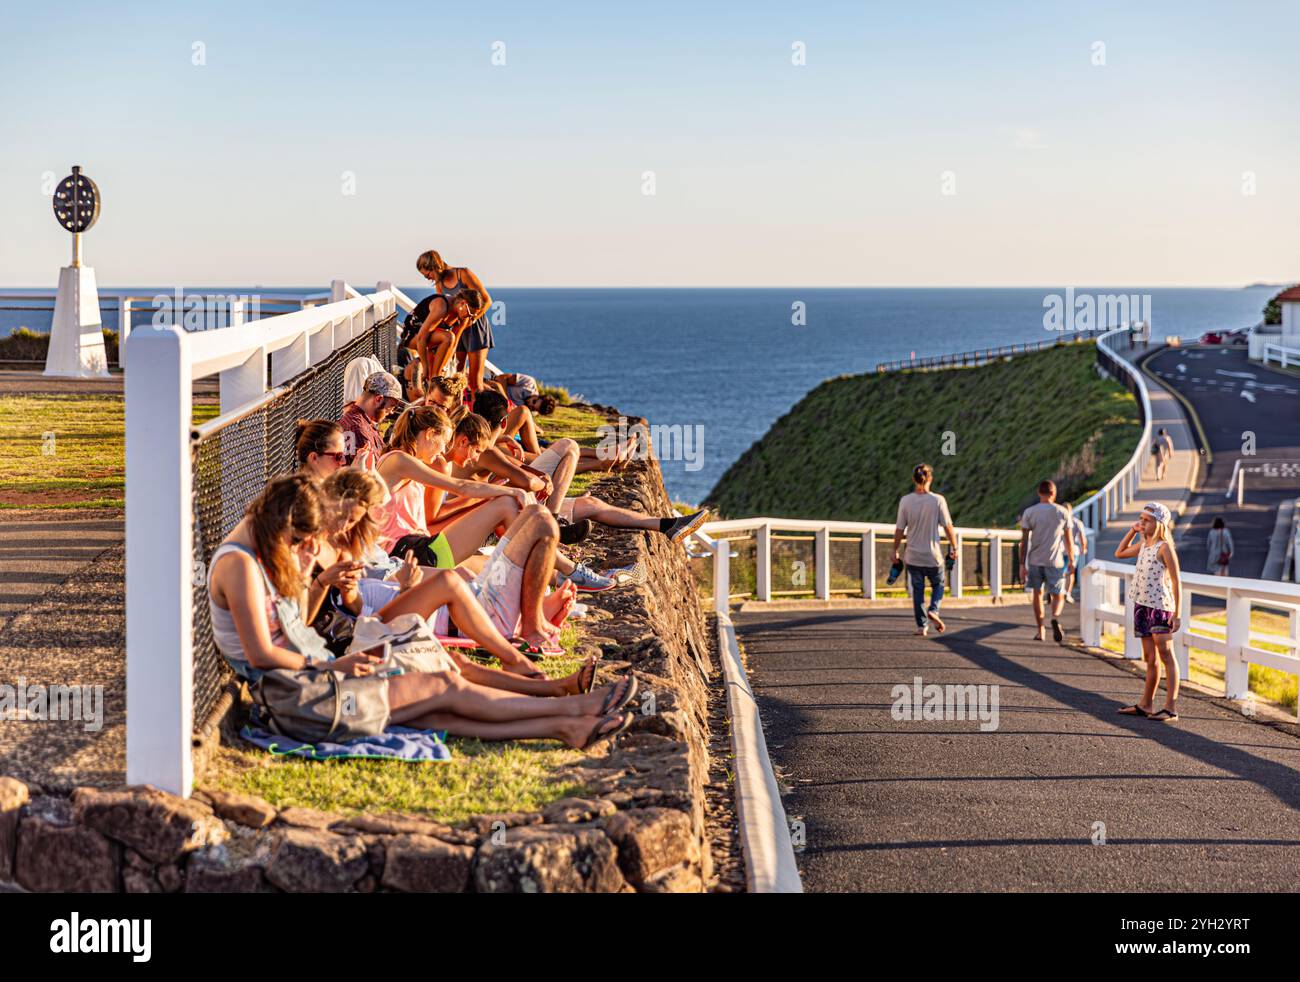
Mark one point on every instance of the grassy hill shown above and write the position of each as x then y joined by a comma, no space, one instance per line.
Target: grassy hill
847,449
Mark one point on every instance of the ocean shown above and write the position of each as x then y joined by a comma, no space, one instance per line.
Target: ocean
724,364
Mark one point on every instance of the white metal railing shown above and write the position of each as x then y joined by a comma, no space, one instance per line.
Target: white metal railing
1106,599
1286,357
249,358
712,538
1096,511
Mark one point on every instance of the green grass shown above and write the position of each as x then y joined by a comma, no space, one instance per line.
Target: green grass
847,449
63,452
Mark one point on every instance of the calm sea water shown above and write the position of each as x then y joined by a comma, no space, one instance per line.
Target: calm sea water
731,362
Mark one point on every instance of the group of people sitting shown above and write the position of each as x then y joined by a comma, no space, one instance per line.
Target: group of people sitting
388,520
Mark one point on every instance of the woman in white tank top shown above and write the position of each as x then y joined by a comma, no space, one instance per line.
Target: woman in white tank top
1157,599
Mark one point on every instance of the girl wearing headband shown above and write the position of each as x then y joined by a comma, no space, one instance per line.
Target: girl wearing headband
1157,599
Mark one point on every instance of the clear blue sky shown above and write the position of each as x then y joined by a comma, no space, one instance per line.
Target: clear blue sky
766,173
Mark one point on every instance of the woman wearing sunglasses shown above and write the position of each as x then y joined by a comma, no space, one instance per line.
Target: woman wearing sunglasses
319,448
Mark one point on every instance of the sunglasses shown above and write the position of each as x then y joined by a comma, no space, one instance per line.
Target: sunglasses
338,456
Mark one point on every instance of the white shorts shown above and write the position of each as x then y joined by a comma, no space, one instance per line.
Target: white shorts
497,587
549,459
375,594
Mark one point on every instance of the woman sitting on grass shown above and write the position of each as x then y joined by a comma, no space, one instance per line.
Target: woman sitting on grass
351,500
256,592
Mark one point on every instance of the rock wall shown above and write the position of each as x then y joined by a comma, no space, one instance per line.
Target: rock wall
641,826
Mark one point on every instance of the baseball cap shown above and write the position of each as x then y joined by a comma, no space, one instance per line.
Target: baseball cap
385,384
1158,511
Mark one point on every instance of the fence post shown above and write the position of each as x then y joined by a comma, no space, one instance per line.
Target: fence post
123,330
954,588
995,566
159,570
721,575
1236,675
1089,601
869,564
1132,643
822,563
763,562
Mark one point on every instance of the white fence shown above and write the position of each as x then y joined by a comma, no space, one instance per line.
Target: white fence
715,538
1103,583
250,360
1286,357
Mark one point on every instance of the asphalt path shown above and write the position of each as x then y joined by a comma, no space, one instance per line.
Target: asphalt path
1064,795
1233,396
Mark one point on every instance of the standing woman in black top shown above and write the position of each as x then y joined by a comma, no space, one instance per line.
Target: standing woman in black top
452,281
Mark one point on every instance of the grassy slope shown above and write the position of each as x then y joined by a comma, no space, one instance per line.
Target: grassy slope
846,450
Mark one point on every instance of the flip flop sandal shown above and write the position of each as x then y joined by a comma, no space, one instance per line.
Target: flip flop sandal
1134,711
598,736
1164,716
586,677
613,701
538,652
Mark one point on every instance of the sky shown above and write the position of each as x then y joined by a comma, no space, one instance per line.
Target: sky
917,144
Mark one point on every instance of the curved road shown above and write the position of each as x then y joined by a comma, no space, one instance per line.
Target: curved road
1232,396
1210,803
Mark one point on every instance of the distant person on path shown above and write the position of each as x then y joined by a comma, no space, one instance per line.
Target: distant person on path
1163,451
1079,536
362,419
921,515
1157,596
1048,555
1219,548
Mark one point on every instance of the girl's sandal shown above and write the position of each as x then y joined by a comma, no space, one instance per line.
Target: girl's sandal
587,676
1164,716
619,695
1134,711
598,735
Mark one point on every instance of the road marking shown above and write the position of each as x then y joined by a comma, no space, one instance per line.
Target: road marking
1182,368
1248,395
1249,375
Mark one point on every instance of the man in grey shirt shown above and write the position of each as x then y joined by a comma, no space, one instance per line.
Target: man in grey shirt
921,515
1046,555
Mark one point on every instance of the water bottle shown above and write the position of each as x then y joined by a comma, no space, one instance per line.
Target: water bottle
895,571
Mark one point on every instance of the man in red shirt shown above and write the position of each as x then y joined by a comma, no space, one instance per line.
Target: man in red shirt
380,397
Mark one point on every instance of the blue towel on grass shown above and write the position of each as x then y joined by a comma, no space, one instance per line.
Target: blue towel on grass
395,743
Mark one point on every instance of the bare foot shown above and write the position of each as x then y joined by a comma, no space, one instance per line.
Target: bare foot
561,603
582,681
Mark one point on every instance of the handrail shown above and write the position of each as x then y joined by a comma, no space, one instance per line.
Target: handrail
971,358
1285,356
1100,604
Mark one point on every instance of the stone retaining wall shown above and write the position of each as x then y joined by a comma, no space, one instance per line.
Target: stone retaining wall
640,828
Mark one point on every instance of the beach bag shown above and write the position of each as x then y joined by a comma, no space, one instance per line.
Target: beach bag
1225,558
314,704
413,645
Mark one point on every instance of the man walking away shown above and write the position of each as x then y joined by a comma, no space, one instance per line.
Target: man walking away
921,515
1048,555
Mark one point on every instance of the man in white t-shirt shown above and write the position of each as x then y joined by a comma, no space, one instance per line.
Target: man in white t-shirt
1046,555
921,516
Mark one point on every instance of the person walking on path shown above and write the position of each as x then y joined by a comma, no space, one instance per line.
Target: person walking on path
1047,555
1219,548
1079,534
921,515
1157,598
1162,450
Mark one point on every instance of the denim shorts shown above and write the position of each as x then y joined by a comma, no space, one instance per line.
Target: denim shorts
1051,577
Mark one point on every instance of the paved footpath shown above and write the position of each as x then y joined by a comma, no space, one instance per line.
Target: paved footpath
1175,490
40,549
1209,803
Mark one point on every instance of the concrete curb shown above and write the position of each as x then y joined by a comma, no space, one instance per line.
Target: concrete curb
764,832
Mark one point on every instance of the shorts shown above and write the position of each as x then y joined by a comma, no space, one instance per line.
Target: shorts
549,459
476,337
1151,620
498,587
375,594
566,510
430,550
1050,577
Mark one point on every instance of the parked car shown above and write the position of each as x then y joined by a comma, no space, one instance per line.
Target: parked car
1212,337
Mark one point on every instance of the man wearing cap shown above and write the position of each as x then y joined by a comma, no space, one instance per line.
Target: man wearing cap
1047,554
381,395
